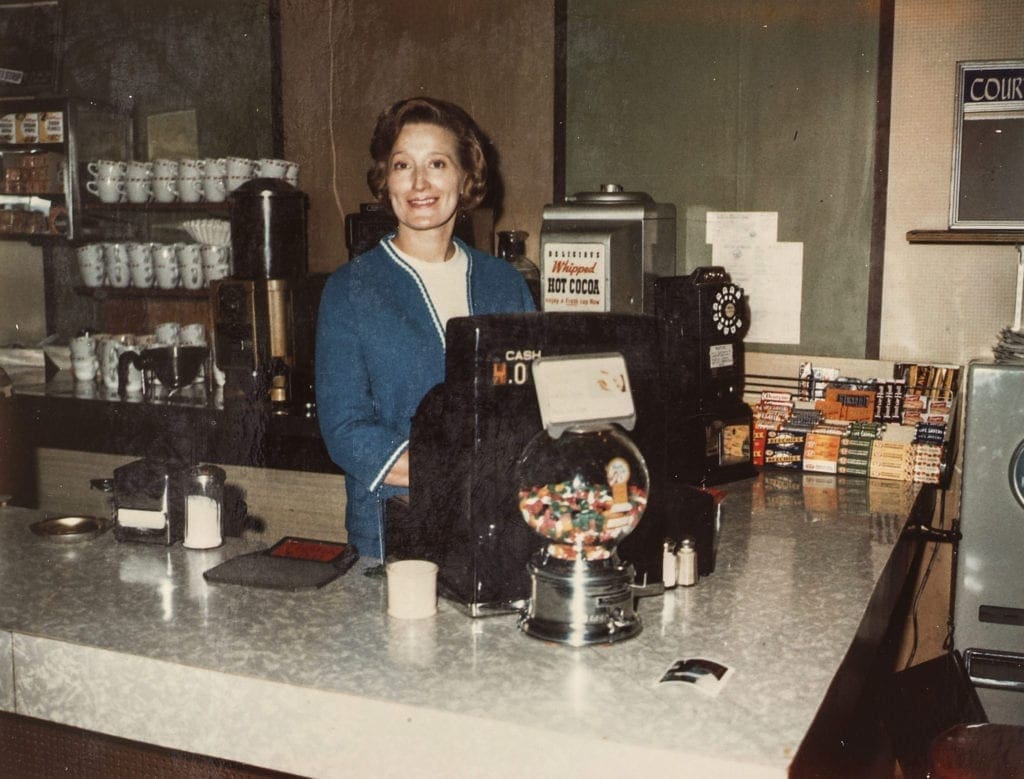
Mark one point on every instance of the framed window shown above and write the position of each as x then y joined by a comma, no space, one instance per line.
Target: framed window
988,147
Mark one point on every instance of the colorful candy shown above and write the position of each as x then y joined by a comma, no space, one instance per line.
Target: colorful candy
580,518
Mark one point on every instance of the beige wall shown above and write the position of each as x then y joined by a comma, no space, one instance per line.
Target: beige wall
22,306
940,303
343,61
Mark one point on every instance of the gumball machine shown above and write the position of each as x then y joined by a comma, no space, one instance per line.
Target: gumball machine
583,487
583,492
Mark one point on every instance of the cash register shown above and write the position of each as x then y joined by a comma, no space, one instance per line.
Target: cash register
471,429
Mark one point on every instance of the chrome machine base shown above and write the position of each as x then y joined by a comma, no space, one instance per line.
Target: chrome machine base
581,602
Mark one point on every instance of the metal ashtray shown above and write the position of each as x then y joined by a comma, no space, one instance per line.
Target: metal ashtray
71,528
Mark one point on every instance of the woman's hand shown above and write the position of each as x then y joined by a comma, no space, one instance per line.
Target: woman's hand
398,476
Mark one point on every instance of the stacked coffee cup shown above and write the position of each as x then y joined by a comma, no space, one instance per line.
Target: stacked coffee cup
108,180
146,265
184,180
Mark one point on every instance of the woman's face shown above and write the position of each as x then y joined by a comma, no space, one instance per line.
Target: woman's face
424,177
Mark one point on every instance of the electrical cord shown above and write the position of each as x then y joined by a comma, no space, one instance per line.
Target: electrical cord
921,587
330,110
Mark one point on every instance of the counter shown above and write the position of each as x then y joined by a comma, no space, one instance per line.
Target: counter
193,425
130,640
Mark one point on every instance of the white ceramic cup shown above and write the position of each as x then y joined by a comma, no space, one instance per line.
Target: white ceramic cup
193,334
240,167
190,265
133,382
138,190
215,166
85,390
109,352
165,189
271,169
82,346
165,168
102,169
140,265
138,169
234,182
107,189
216,262
239,171
167,333
165,265
91,264
412,589
214,189
85,368
190,189
116,257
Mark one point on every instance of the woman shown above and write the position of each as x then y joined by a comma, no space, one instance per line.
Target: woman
380,334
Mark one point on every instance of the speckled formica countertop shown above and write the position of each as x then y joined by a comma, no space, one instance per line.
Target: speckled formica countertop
130,640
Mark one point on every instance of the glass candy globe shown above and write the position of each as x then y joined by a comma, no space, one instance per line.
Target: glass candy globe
584,491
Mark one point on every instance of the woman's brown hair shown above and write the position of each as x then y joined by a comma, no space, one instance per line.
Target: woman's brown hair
469,139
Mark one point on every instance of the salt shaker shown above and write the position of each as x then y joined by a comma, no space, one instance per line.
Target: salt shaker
687,556
204,504
669,565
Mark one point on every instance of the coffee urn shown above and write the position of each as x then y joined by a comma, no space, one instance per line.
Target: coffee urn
264,315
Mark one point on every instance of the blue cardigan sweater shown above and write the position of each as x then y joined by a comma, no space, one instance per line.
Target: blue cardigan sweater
379,348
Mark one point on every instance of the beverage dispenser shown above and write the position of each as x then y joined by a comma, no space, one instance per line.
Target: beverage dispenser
265,314
601,251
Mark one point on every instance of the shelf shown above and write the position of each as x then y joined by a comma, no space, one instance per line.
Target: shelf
21,197
36,239
151,293
1005,237
31,147
144,208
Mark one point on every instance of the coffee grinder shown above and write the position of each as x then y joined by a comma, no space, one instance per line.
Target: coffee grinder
265,314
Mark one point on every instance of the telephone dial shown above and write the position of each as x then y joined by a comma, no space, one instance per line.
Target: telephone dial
703,318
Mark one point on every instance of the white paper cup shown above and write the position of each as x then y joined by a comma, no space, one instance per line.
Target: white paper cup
412,589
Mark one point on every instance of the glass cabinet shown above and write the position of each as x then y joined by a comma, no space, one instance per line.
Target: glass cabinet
46,145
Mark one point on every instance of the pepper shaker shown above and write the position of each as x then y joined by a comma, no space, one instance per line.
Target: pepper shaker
687,557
